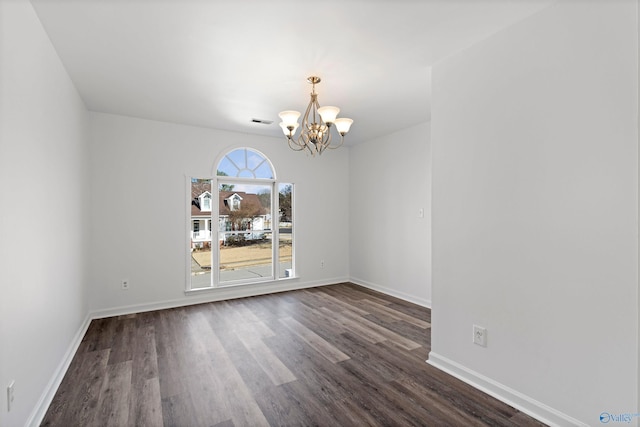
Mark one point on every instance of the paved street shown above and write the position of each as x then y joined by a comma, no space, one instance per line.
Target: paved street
203,279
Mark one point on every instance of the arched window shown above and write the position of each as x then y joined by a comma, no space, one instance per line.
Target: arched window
245,163
254,240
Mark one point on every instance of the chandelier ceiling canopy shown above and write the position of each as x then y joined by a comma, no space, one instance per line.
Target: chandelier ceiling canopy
315,135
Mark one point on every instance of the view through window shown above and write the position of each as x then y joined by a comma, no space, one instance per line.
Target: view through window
247,236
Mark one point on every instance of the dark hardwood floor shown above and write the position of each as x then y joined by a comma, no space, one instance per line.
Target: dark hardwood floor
338,355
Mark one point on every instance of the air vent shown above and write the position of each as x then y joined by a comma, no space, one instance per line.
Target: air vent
262,121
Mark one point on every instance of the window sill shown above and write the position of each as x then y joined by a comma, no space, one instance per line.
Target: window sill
235,286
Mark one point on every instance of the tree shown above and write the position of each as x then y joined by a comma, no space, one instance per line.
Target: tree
224,187
265,199
199,186
285,203
240,218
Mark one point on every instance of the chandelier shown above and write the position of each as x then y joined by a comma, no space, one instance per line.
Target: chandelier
315,135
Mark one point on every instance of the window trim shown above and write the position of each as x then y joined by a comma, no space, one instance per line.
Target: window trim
274,183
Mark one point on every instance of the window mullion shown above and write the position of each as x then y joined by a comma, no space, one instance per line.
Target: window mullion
215,243
275,230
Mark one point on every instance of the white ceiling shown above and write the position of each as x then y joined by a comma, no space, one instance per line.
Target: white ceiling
220,63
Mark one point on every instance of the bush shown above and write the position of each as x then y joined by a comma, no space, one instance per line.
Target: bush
236,240
242,240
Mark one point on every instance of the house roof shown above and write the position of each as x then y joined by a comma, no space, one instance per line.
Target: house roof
250,201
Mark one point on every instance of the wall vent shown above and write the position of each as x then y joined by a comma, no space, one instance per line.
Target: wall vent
262,121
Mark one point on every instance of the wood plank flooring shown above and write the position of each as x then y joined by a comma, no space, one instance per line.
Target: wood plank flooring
339,355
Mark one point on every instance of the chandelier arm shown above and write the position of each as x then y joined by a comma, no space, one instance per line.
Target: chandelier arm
325,140
316,106
328,140
304,142
294,145
311,107
311,150
303,138
310,145
340,144
326,129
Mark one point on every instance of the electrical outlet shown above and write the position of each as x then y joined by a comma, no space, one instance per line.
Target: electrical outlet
10,395
321,263
125,284
479,336
420,213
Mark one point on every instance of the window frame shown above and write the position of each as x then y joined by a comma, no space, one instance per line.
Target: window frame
276,274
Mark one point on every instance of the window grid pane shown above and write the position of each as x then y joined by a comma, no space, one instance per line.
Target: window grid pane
245,163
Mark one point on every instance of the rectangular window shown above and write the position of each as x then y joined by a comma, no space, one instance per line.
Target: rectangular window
200,245
246,239
285,230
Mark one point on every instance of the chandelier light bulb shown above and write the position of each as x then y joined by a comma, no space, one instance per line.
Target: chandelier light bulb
343,125
328,114
290,118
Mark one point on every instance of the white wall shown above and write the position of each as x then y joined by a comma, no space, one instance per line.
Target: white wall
43,244
389,182
138,170
535,197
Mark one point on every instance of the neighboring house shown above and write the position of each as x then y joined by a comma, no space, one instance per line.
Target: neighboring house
240,214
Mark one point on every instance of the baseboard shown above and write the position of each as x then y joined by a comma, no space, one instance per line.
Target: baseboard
521,402
218,294
40,410
392,292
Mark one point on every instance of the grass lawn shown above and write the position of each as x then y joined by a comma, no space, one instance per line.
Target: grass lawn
242,256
